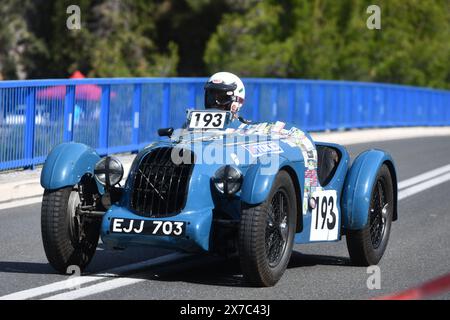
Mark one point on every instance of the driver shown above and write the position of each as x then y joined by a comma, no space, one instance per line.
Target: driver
225,91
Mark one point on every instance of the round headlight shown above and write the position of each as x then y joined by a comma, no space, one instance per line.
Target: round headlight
228,180
108,171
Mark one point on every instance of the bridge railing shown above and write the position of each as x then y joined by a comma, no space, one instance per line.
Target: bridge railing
122,115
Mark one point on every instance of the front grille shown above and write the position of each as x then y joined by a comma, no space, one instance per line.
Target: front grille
160,186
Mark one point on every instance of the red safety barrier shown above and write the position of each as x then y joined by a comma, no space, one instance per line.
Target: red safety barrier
429,289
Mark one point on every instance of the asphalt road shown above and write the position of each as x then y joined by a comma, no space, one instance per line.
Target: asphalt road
418,251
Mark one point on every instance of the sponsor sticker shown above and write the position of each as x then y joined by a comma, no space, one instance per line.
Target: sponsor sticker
260,128
229,130
289,142
278,126
259,149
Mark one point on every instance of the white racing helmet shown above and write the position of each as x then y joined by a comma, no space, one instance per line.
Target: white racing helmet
225,91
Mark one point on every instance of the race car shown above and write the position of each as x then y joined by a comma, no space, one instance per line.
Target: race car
224,187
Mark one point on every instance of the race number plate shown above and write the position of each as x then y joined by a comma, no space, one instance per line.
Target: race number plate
325,216
146,227
207,120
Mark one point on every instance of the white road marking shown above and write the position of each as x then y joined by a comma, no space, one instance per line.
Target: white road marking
408,188
424,176
423,186
20,203
50,288
115,272
96,289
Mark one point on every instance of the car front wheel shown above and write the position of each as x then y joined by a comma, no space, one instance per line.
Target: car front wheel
266,234
69,239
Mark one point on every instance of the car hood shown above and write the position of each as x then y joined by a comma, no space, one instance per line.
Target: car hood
238,146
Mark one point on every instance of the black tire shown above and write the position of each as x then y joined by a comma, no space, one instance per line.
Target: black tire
63,244
367,246
262,263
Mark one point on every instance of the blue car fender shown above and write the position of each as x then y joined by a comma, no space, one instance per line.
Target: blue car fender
66,164
358,187
259,178
256,186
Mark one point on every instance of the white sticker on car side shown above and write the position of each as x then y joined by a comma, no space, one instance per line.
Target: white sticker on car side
259,149
325,216
297,138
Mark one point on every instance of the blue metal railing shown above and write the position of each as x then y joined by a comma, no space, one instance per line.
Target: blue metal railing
121,115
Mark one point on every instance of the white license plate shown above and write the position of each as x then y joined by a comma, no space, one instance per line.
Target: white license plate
148,227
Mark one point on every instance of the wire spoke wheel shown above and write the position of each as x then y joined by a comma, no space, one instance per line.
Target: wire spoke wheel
266,233
378,212
368,244
276,228
79,225
75,223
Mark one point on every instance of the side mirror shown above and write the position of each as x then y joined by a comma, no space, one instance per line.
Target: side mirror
165,132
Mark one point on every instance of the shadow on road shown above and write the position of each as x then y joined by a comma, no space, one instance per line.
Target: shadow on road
25,267
199,269
226,272
103,260
299,260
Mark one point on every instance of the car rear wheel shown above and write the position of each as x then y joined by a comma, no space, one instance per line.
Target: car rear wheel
69,239
367,246
266,234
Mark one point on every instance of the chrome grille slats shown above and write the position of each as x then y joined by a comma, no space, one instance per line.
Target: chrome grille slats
160,186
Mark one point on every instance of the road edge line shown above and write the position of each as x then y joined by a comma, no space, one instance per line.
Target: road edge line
114,272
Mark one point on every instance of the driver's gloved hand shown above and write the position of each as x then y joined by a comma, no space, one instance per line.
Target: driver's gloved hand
244,120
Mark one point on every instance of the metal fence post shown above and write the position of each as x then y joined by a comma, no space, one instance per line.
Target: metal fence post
334,121
104,120
136,114
291,102
165,105
192,96
30,126
306,116
347,106
256,107
274,102
320,108
388,107
442,111
429,110
444,103
69,104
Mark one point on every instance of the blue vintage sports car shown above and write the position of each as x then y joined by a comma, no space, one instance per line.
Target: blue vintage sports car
224,186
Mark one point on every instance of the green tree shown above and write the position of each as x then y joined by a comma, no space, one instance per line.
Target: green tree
189,24
116,40
70,50
123,43
251,44
17,43
413,47
327,39
318,39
